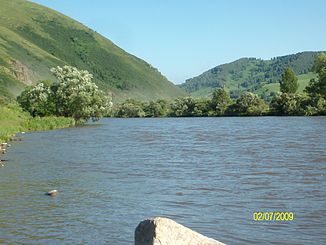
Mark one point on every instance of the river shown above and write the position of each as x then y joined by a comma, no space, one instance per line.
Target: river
209,174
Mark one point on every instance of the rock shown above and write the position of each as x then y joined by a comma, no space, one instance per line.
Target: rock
3,146
52,193
15,139
163,231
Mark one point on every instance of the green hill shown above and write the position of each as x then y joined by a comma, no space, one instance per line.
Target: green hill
251,74
34,38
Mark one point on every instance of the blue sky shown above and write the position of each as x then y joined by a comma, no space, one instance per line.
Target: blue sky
183,38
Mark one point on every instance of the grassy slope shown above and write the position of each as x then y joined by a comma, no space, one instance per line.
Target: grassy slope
250,74
40,38
10,87
303,81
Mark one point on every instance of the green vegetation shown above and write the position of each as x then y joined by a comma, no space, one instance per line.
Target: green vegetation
34,38
289,82
253,75
317,88
156,109
183,107
272,88
75,95
285,103
9,86
130,108
73,99
14,120
249,104
220,101
288,104
48,123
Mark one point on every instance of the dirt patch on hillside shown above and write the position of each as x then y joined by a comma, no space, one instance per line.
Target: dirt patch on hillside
21,72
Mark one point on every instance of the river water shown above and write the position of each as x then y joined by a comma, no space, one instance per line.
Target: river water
209,174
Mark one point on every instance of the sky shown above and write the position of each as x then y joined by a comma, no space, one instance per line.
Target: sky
184,38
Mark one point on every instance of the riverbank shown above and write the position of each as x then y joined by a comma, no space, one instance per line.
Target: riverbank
14,120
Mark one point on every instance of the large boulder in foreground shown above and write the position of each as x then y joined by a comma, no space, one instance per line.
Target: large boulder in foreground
163,231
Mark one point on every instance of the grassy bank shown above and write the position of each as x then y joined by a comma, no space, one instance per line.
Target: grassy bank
14,120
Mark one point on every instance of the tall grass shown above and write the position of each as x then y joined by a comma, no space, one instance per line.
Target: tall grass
48,123
13,120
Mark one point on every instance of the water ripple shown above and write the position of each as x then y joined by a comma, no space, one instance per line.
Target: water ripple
210,174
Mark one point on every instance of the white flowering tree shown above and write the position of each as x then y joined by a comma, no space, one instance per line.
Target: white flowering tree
37,100
75,95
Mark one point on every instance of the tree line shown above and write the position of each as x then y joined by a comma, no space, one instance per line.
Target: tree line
75,95
285,103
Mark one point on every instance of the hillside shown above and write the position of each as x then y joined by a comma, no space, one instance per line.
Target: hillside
251,74
34,38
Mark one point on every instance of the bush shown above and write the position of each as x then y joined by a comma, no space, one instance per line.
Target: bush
183,107
248,104
288,104
130,108
159,108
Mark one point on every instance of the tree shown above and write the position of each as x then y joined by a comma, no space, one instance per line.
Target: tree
317,88
249,104
183,107
37,100
159,108
75,95
202,107
220,101
289,82
130,108
320,64
288,104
